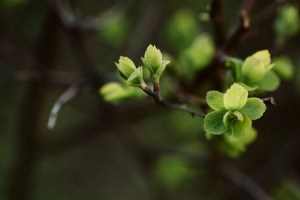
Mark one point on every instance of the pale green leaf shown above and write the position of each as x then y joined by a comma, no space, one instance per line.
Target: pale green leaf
269,82
254,108
284,67
161,68
264,56
172,171
235,97
215,100
126,67
208,135
233,147
136,78
287,22
213,122
117,93
240,129
181,29
147,66
197,56
253,69
249,88
153,58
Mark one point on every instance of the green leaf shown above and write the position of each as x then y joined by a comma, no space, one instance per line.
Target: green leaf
213,122
126,67
162,67
254,108
215,100
172,171
287,23
152,58
235,65
233,147
240,129
235,97
115,29
198,55
117,93
269,82
253,69
284,67
226,118
136,78
264,56
181,29
208,135
249,88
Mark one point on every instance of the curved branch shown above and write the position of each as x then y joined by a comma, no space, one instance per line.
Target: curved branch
162,102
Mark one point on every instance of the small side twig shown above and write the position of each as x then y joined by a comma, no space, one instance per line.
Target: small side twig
269,101
162,102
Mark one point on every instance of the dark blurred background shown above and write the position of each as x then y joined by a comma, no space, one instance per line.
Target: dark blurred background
133,150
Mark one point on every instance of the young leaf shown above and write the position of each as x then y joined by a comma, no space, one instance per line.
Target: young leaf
215,100
249,88
233,147
126,67
239,128
254,108
117,93
253,69
269,82
235,97
284,67
213,122
152,59
136,78
162,67
264,56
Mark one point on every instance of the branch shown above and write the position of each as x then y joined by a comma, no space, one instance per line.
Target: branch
216,16
161,102
238,34
76,89
243,181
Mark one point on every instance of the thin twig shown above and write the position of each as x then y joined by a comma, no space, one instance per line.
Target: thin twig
161,102
192,99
